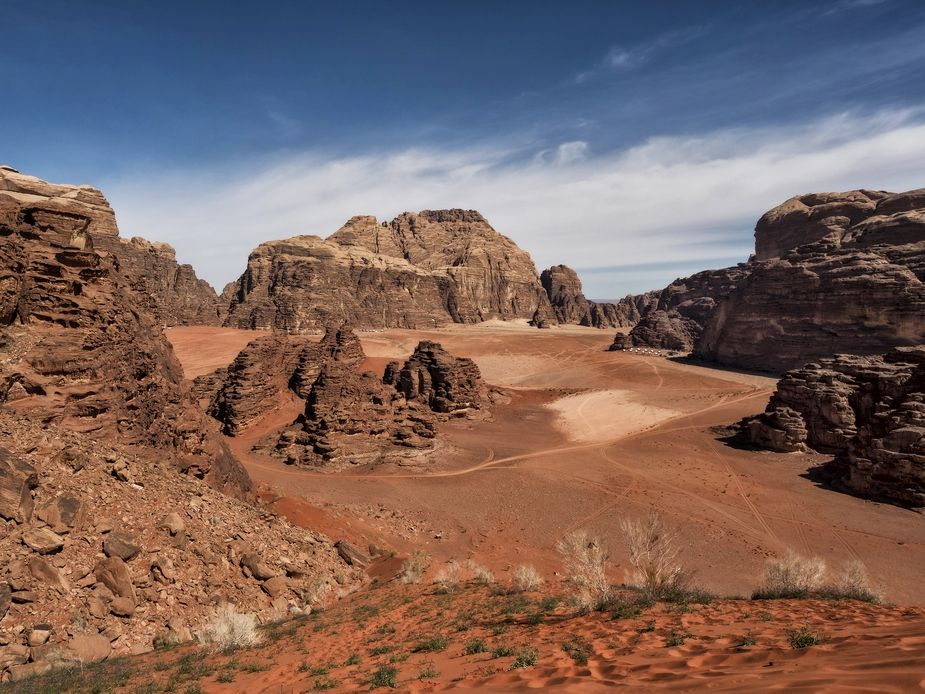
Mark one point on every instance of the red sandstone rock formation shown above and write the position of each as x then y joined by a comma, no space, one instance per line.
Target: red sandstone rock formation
833,273
417,271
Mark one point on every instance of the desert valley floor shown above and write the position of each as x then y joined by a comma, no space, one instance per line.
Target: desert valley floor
587,438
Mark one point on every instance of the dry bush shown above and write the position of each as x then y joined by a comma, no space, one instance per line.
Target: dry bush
653,549
412,570
585,559
526,579
229,629
852,583
793,576
481,574
448,577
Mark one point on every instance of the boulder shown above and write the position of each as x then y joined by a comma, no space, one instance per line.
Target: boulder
114,574
43,540
39,634
41,570
89,647
17,480
5,598
257,567
350,554
120,544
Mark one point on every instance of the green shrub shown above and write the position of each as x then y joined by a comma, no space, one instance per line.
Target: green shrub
803,638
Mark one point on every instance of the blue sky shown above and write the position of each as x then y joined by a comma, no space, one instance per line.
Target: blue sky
634,141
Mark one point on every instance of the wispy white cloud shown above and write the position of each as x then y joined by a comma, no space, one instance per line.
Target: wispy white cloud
669,200
845,5
627,58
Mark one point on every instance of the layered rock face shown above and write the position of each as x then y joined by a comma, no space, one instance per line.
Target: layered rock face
563,287
869,410
167,290
417,271
78,347
834,272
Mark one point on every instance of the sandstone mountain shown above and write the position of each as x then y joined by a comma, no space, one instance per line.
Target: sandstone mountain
417,271
569,305
869,410
79,347
833,272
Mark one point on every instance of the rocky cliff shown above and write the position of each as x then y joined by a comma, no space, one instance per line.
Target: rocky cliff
169,291
417,271
833,272
79,348
869,410
563,287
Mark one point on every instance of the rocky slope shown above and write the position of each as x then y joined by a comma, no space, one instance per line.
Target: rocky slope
169,291
563,287
870,411
78,347
833,272
417,271
106,550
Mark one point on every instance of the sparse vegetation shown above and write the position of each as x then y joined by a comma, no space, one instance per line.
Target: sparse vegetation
579,651
229,630
384,676
851,584
434,644
585,560
475,646
324,683
428,671
676,638
448,577
502,652
413,569
481,574
746,641
653,550
526,657
793,576
803,638
526,579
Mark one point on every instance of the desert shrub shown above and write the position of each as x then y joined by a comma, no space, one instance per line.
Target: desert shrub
475,646
448,577
526,657
481,574
851,584
579,651
434,644
803,638
585,560
229,629
428,670
384,676
502,652
413,568
653,550
526,579
793,576
676,638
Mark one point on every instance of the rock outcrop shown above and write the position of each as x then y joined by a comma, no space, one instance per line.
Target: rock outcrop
417,271
169,291
446,384
833,272
563,287
870,411
79,348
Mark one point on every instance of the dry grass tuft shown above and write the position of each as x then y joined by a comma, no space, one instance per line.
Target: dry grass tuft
526,579
448,577
793,576
412,570
481,574
852,584
585,559
229,630
653,549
